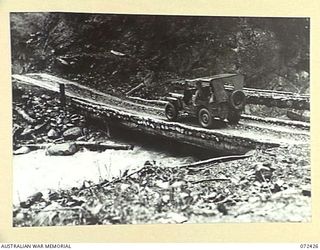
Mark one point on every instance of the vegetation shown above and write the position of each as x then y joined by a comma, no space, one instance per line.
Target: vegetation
117,52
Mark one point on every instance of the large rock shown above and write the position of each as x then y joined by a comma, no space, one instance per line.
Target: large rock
22,150
53,134
62,149
72,133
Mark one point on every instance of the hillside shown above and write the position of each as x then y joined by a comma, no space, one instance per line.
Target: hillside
114,53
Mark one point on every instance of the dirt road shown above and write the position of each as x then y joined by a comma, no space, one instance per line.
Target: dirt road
263,129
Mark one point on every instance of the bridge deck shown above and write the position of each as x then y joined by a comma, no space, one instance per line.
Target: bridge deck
150,119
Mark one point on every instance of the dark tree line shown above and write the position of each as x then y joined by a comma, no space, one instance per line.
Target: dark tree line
263,49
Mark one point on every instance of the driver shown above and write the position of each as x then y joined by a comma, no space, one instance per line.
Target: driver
187,94
199,95
212,97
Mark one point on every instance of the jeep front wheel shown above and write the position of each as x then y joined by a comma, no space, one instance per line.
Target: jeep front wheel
171,112
205,118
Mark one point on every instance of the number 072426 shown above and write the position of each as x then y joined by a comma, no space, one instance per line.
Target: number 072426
305,246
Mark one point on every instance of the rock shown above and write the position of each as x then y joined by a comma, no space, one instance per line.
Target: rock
72,133
279,183
306,190
204,211
162,185
257,184
165,198
25,97
35,197
20,216
62,149
263,173
253,199
52,134
278,186
86,184
222,209
45,97
173,217
59,120
303,162
54,196
177,184
124,187
66,120
267,164
74,118
31,200
183,195
22,150
210,196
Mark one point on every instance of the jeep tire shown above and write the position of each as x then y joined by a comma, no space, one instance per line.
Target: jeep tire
238,100
205,118
171,112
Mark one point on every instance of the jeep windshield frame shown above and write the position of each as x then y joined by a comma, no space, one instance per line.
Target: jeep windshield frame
231,81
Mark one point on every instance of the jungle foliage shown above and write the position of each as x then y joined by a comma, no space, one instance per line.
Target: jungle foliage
123,49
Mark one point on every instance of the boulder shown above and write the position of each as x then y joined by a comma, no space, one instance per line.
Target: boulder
45,97
72,133
52,134
306,190
62,149
22,150
31,200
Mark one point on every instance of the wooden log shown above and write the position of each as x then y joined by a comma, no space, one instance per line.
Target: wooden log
141,85
62,94
297,116
211,179
88,145
25,115
37,128
103,146
35,146
216,160
16,130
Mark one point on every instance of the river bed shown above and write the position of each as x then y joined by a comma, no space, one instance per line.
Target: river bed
38,172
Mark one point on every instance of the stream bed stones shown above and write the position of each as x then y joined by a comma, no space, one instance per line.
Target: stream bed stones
50,121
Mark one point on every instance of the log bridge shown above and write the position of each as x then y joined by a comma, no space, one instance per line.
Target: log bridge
131,115
207,138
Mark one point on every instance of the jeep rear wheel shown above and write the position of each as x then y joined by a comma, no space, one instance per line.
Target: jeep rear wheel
234,117
171,112
205,118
